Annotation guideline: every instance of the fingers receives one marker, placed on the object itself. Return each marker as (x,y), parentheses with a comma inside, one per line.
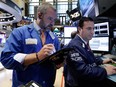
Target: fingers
(48,49)
(110,69)
(108,60)
(59,65)
(114,68)
(113,61)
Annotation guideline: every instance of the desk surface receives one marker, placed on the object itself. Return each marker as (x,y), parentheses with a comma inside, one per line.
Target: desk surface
(112,77)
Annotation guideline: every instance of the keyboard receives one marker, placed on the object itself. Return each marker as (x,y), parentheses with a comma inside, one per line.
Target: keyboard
(110,56)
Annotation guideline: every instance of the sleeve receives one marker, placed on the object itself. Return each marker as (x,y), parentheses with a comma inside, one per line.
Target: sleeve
(20,57)
(99,61)
(12,46)
(77,65)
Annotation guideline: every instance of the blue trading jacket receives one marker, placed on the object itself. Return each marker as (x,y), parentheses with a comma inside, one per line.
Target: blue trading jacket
(43,74)
(82,68)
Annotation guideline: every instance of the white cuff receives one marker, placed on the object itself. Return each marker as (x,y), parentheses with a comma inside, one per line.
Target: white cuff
(19,57)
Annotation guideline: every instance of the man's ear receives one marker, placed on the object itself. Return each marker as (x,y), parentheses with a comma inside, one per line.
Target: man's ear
(79,29)
(40,15)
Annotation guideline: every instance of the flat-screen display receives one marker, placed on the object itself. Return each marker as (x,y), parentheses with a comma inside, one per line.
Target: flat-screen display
(114,34)
(66,41)
(101,29)
(68,30)
(100,44)
(86,6)
(67,33)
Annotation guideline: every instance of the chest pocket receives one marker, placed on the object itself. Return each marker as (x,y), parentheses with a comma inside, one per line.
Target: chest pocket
(29,48)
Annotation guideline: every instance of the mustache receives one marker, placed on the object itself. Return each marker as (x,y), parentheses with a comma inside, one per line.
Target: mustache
(50,25)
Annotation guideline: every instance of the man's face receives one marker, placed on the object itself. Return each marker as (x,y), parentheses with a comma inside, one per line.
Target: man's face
(87,31)
(48,19)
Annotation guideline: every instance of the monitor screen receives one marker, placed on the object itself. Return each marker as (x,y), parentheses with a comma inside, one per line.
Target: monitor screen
(68,30)
(105,8)
(67,33)
(86,6)
(114,34)
(100,44)
(101,29)
(67,40)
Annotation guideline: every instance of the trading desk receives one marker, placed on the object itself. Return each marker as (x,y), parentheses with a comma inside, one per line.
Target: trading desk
(111,78)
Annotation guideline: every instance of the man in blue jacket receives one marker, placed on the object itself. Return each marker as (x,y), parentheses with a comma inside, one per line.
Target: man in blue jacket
(82,68)
(25,48)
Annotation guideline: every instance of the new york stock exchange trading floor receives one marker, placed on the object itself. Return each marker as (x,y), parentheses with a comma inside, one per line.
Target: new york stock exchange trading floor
(6,77)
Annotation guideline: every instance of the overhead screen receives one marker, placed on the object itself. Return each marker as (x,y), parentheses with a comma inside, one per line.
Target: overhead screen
(105,8)
(86,6)
(114,33)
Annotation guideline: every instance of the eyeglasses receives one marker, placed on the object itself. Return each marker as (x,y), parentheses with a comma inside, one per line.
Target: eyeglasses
(51,19)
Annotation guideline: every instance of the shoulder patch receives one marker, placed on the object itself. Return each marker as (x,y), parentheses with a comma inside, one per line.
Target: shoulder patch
(76,57)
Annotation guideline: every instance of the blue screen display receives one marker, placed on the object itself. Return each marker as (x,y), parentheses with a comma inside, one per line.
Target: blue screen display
(86,6)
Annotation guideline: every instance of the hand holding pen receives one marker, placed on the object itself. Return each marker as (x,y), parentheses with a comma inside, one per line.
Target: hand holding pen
(46,50)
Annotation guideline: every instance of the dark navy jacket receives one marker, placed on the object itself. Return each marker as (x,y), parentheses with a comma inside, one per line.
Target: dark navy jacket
(82,68)
(43,74)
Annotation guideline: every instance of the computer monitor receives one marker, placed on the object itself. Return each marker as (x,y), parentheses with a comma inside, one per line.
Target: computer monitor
(67,33)
(105,8)
(114,34)
(67,40)
(114,37)
(100,44)
(101,29)
(68,30)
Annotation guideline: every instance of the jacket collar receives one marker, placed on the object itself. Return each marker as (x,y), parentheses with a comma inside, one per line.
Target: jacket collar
(32,30)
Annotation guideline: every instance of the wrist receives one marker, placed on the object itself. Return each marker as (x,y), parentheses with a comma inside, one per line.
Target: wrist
(37,56)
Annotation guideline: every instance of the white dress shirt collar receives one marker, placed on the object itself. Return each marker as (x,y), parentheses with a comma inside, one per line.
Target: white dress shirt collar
(36,26)
(82,39)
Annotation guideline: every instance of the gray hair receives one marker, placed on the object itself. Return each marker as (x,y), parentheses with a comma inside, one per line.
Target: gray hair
(44,6)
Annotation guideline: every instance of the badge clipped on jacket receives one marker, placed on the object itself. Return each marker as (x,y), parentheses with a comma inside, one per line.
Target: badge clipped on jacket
(31,41)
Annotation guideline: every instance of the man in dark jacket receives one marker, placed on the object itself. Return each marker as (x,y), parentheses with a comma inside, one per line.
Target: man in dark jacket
(82,68)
